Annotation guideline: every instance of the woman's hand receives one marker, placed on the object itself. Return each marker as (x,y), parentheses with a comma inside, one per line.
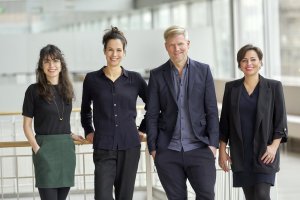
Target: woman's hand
(78,138)
(36,149)
(269,156)
(224,160)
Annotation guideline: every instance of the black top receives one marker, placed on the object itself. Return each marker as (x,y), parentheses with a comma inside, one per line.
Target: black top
(114,109)
(47,115)
(247,108)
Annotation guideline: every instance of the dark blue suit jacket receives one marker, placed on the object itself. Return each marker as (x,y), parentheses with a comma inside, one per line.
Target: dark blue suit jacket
(162,107)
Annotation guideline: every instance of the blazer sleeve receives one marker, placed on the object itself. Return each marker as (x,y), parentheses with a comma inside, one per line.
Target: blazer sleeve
(211,110)
(280,118)
(224,119)
(152,115)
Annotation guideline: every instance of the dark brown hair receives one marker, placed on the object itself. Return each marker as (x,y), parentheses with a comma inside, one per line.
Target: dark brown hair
(114,33)
(65,87)
(242,52)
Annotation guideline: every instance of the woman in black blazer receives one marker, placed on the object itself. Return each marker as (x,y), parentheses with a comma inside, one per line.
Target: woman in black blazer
(253,121)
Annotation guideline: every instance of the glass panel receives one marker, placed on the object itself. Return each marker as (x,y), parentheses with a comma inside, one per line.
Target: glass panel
(289,20)
(147,20)
(124,22)
(198,12)
(179,14)
(135,21)
(162,18)
(220,17)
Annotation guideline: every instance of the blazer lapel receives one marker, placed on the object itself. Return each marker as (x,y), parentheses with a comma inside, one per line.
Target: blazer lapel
(169,80)
(192,73)
(235,98)
(262,102)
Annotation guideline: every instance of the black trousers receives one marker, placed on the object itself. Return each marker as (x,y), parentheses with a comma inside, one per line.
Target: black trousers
(198,166)
(54,193)
(260,191)
(115,168)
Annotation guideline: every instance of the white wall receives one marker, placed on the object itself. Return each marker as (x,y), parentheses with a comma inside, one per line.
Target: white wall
(84,52)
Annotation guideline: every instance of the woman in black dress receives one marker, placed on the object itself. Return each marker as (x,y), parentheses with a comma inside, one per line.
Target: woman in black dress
(49,103)
(253,122)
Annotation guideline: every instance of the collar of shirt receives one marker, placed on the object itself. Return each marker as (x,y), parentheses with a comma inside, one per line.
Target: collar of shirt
(186,65)
(124,72)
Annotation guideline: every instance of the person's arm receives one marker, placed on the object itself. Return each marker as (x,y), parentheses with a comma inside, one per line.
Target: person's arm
(224,158)
(280,133)
(143,95)
(86,110)
(27,128)
(211,110)
(152,115)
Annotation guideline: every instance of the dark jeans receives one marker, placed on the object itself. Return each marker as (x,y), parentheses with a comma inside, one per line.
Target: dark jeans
(260,191)
(115,168)
(198,166)
(54,193)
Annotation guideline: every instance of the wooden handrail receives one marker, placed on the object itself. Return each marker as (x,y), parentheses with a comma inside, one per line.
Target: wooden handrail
(73,110)
(19,113)
(26,144)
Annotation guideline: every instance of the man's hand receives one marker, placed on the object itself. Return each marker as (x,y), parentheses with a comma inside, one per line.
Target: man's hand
(142,136)
(153,153)
(214,150)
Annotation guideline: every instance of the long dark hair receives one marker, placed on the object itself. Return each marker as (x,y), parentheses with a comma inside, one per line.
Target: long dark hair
(65,87)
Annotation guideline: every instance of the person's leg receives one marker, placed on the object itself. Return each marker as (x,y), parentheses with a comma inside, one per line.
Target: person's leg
(105,173)
(62,193)
(127,165)
(169,165)
(249,192)
(201,172)
(48,193)
(262,191)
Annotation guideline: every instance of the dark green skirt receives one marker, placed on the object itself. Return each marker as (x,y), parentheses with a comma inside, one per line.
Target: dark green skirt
(54,163)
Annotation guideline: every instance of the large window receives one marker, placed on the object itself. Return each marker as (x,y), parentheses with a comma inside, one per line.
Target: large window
(289,19)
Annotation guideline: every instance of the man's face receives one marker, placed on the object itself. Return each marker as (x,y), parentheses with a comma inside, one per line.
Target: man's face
(177,47)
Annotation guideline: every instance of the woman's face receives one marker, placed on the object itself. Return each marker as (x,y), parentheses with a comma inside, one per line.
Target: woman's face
(51,68)
(114,52)
(250,64)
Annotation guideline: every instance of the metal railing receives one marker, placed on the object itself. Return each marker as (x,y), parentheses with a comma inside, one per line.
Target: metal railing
(17,175)
(17,172)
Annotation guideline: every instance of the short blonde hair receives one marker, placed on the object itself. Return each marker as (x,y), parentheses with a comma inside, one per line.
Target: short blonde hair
(175,30)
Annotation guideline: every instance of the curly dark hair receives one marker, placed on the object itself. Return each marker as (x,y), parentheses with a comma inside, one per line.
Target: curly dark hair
(114,33)
(65,87)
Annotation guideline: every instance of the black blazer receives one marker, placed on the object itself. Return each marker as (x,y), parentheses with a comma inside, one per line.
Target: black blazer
(271,123)
(162,108)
